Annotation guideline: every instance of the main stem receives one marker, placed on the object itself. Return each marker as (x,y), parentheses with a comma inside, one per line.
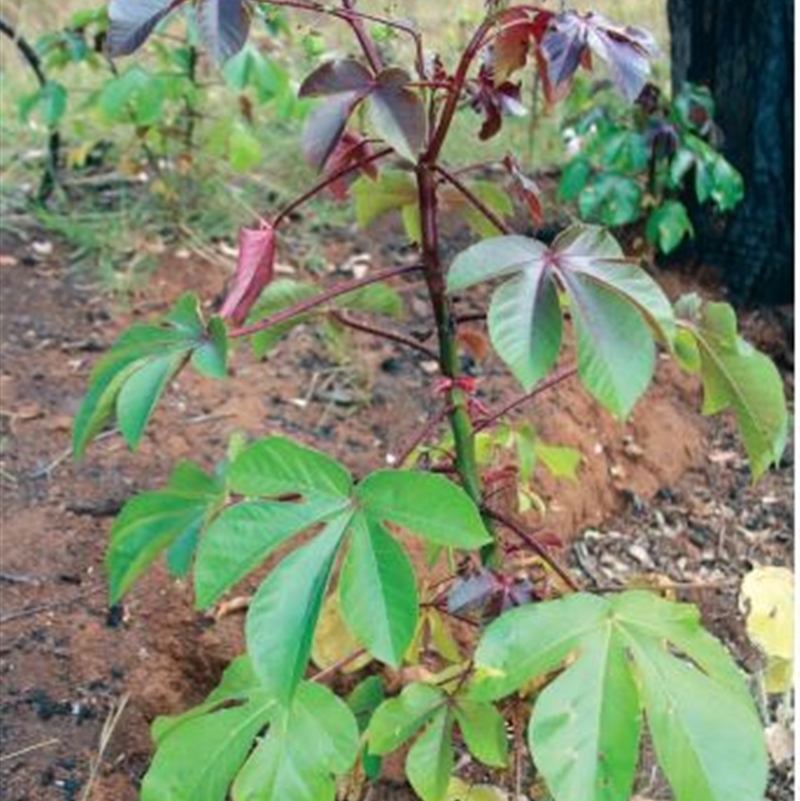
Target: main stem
(460,421)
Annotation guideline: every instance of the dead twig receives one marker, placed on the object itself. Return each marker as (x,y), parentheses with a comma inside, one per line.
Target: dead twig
(35,610)
(28,749)
(114,714)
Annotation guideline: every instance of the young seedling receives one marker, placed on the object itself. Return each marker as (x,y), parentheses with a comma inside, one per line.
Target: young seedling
(274,731)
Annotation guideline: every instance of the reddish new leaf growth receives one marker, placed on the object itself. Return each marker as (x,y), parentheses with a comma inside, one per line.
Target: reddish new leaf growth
(352,150)
(526,188)
(572,38)
(518,29)
(255,268)
(493,101)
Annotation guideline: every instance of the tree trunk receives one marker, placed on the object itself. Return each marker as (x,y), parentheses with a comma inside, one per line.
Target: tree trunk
(742,50)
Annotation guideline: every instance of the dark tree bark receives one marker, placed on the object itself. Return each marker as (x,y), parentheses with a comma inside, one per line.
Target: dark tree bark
(742,50)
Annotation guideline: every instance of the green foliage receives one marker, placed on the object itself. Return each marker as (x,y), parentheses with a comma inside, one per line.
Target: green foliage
(635,651)
(633,162)
(129,380)
(396,191)
(306,745)
(615,307)
(331,548)
(168,519)
(735,376)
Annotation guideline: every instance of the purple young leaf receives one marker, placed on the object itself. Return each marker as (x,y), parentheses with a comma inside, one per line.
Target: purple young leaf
(255,268)
(472,594)
(344,82)
(571,37)
(224,26)
(325,126)
(397,113)
(336,77)
(132,21)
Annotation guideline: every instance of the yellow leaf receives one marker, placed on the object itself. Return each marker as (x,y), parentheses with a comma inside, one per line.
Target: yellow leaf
(332,640)
(767,598)
(459,790)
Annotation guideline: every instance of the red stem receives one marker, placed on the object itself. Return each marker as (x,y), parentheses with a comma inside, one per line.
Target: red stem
(535,546)
(542,386)
(318,300)
(493,218)
(393,336)
(449,110)
(326,182)
(364,39)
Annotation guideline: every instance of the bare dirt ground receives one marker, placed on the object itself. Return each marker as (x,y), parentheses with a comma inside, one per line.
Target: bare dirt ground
(666,493)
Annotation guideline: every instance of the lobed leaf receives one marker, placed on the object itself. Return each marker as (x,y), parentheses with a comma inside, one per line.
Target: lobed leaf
(131,23)
(397,720)
(431,761)
(378,592)
(427,505)
(631,650)
(224,738)
(283,614)
(276,466)
(224,27)
(615,308)
(397,113)
(314,740)
(738,377)
(244,535)
(152,522)
(129,380)
(484,731)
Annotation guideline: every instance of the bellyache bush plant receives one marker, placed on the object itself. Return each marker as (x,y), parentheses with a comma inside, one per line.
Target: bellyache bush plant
(589,672)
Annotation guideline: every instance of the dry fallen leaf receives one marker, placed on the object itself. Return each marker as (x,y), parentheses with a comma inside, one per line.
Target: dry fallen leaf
(767,599)
(780,743)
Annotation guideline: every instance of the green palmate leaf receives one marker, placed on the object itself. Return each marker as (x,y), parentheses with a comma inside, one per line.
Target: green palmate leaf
(495,198)
(155,521)
(738,377)
(238,683)
(224,738)
(363,701)
(610,199)
(431,761)
(309,744)
(574,177)
(427,505)
(277,466)
(484,731)
(283,613)
(374,299)
(129,380)
(276,296)
(397,720)
(378,592)
(633,650)
(699,730)
(244,535)
(615,306)
(139,395)
(616,353)
(394,190)
(521,645)
(592,711)
(669,225)
(525,324)
(560,461)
